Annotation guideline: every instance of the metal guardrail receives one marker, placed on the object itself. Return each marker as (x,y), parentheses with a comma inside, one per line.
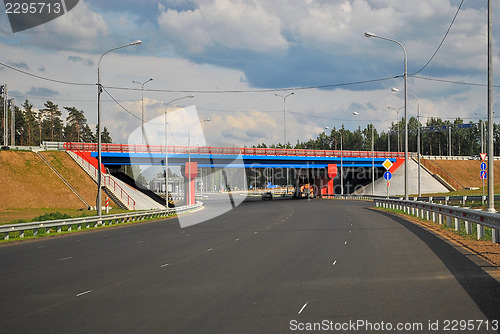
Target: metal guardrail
(453,214)
(51,226)
(429,199)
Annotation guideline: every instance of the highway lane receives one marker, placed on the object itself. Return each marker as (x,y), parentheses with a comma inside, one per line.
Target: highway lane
(262,267)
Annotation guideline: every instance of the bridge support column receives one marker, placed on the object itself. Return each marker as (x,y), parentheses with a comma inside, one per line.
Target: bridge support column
(325,184)
(190,172)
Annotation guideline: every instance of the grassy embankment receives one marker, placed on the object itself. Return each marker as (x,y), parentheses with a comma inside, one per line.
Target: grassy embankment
(31,189)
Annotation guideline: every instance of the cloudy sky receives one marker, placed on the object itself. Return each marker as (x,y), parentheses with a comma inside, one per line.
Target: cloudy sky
(236,55)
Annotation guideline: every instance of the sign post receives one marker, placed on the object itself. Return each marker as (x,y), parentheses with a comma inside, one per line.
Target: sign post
(388,176)
(483,174)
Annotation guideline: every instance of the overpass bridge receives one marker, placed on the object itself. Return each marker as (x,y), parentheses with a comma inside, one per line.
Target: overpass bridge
(318,167)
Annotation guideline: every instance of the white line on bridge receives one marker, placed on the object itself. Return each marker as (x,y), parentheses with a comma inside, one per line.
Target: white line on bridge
(334,262)
(65,258)
(164,265)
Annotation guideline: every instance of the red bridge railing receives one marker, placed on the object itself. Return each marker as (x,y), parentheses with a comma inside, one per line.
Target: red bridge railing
(124,148)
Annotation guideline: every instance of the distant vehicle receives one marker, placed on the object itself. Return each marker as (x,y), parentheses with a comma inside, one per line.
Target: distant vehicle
(267,196)
(305,191)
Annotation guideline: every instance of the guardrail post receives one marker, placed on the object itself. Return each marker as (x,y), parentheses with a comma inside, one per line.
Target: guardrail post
(495,238)
(468,227)
(448,221)
(433,216)
(21,234)
(457,224)
(446,200)
(440,218)
(464,198)
(479,228)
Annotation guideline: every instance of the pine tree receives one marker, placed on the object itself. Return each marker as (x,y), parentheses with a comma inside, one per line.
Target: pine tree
(30,123)
(76,123)
(52,114)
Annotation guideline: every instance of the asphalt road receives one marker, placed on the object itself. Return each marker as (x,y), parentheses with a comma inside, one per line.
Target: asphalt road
(264,267)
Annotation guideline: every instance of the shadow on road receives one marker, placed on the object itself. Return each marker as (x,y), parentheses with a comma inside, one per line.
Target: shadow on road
(481,287)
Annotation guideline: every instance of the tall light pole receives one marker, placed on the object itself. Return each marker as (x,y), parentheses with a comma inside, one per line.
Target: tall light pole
(284,131)
(397,123)
(99,91)
(373,152)
(418,136)
(491,184)
(368,34)
(166,145)
(142,102)
(341,159)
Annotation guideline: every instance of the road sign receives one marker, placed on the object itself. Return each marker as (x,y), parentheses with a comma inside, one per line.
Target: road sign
(387,164)
(483,156)
(387,175)
(483,174)
(483,165)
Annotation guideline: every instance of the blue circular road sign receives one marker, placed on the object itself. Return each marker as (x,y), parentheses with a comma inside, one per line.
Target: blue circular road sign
(387,175)
(483,165)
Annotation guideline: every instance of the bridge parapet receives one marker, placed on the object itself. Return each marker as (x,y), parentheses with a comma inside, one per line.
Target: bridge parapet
(124,148)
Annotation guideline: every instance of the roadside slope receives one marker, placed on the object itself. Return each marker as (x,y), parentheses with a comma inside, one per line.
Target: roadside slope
(30,188)
(28,182)
(73,174)
(466,171)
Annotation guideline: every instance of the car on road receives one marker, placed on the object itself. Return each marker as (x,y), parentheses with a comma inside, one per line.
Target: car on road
(267,196)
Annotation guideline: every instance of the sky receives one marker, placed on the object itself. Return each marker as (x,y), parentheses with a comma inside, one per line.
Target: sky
(236,56)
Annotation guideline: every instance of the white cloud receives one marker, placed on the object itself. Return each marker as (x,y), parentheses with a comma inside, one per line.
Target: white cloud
(79,29)
(233,24)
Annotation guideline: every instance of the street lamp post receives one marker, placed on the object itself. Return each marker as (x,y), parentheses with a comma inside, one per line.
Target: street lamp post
(284,131)
(341,160)
(142,103)
(491,184)
(99,91)
(368,34)
(373,153)
(397,123)
(418,136)
(166,145)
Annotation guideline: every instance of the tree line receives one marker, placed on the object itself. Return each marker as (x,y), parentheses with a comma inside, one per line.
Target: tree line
(435,136)
(32,127)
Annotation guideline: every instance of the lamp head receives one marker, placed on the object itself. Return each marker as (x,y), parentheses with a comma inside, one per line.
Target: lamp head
(369,34)
(138,42)
(395,90)
(355,113)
